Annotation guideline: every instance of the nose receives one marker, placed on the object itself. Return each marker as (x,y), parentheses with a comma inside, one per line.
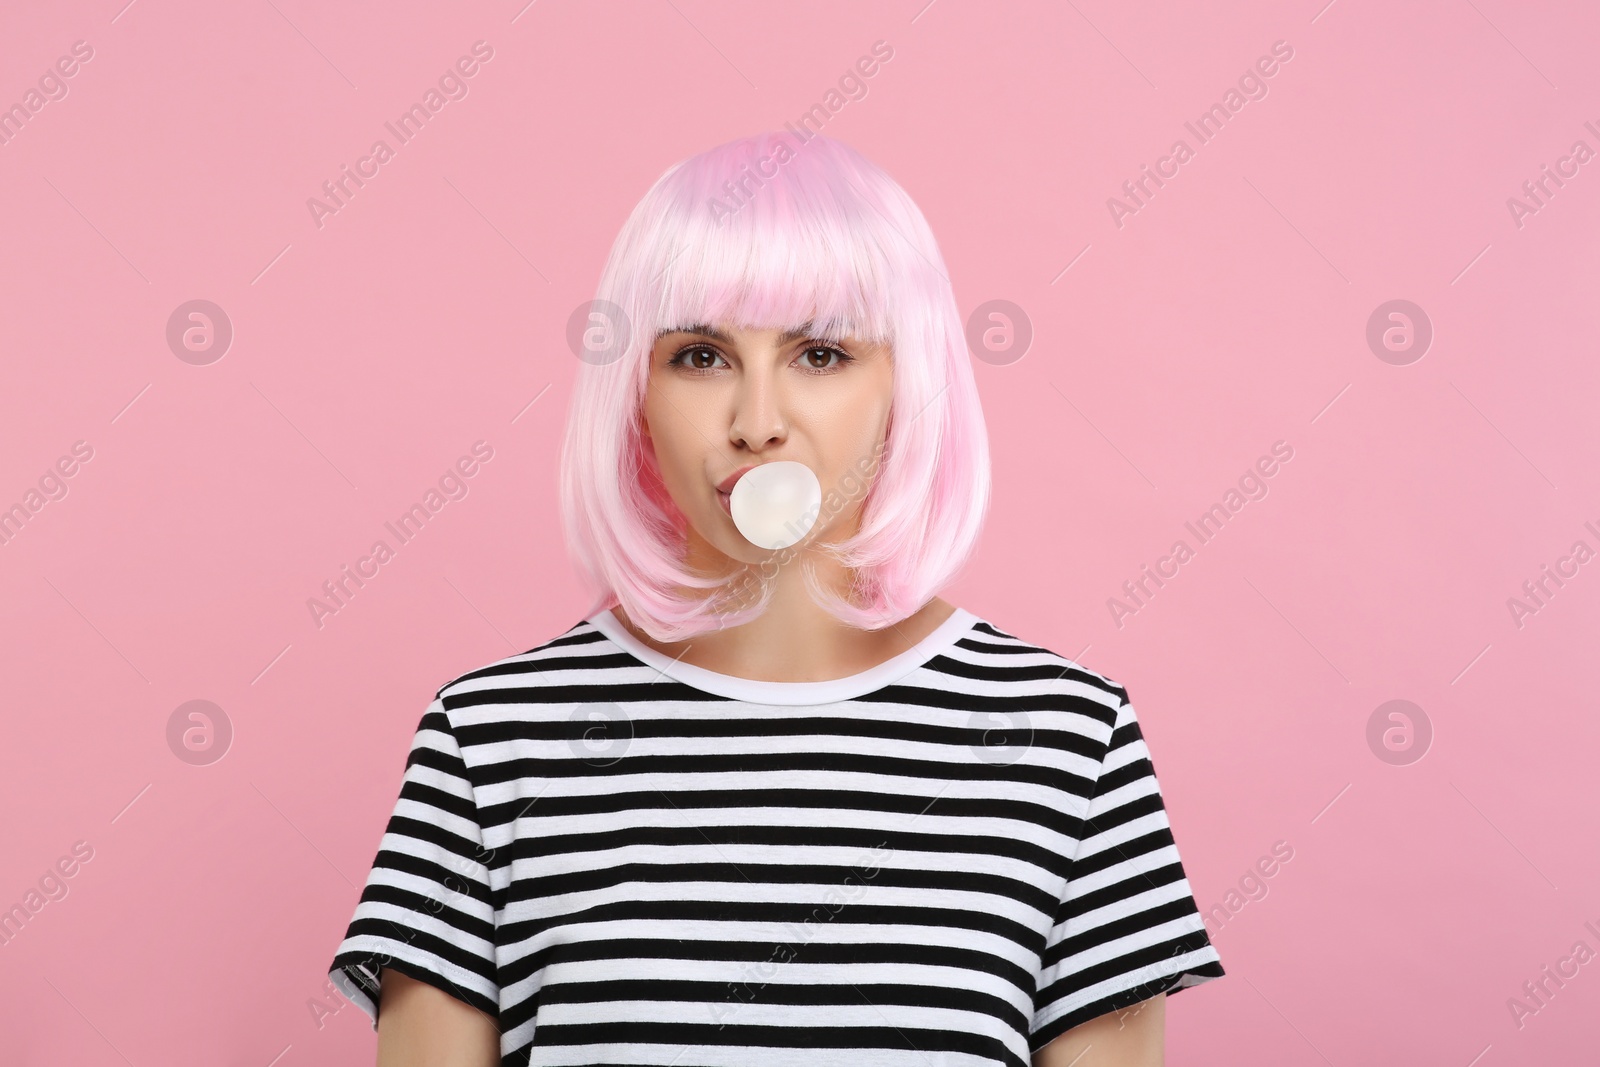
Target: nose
(758,420)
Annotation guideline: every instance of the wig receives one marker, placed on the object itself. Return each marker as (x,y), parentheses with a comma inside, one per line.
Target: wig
(770,231)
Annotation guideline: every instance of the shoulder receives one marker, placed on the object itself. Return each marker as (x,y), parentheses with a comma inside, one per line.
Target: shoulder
(1017,665)
(566,667)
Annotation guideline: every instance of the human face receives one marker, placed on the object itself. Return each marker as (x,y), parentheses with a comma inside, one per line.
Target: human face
(721,398)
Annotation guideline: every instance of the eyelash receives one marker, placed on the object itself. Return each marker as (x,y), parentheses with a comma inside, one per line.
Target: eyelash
(677,359)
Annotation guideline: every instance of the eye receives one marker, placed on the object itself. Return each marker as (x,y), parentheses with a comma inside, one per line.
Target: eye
(688,358)
(700,358)
(826,351)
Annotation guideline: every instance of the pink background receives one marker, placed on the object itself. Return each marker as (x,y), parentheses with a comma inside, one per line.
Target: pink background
(1227,314)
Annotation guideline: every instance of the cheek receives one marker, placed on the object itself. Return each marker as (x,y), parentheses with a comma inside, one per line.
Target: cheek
(868,417)
(677,443)
(851,445)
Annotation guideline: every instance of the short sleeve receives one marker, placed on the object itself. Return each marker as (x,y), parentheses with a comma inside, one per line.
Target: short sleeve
(426,909)
(1127,927)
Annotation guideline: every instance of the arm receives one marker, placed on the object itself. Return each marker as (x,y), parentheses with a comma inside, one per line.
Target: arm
(420,1025)
(1132,1037)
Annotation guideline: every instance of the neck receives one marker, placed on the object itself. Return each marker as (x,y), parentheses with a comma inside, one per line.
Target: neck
(795,640)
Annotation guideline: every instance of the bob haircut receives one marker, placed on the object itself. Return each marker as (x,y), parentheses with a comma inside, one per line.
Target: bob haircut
(769,231)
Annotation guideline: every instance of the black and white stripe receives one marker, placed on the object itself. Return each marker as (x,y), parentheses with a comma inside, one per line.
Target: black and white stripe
(950,859)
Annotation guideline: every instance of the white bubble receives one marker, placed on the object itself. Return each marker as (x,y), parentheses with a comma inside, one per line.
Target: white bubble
(775,504)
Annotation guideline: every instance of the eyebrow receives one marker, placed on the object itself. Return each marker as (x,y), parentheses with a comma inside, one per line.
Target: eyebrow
(805,329)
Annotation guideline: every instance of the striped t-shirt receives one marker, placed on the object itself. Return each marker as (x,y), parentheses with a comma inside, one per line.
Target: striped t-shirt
(950,858)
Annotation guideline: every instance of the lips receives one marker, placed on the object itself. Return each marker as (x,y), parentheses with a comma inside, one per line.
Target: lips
(726,485)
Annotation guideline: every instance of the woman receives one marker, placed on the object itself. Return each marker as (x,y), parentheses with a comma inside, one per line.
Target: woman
(775,806)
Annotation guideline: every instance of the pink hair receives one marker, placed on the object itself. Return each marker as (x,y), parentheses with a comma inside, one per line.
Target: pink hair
(770,232)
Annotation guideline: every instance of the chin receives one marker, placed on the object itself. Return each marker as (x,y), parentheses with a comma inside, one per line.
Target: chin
(722,537)
(733,545)
(718,536)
